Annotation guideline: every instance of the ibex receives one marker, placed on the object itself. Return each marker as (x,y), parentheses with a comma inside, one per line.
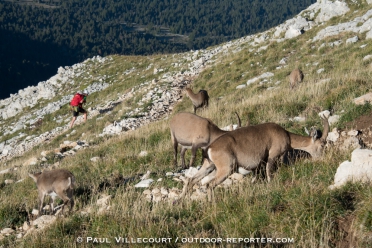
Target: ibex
(251,146)
(59,182)
(192,132)
(198,100)
(295,78)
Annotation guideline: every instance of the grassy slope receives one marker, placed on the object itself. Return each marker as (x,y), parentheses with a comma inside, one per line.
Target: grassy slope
(297,204)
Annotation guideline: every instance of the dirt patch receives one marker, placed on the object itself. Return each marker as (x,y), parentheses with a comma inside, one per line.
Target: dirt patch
(347,236)
(364,125)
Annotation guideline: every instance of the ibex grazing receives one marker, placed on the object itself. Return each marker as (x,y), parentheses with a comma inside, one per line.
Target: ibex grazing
(248,147)
(295,78)
(193,132)
(199,100)
(59,182)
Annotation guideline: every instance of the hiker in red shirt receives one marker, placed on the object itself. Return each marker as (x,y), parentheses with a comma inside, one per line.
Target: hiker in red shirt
(77,106)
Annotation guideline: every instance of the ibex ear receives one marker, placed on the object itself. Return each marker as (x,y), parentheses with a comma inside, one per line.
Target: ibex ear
(314,134)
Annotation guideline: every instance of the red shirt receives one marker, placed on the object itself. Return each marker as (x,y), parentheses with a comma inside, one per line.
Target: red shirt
(77,100)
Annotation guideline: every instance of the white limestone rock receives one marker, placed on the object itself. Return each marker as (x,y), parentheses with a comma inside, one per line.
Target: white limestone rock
(191,172)
(331,9)
(333,119)
(7,231)
(144,184)
(363,99)
(334,135)
(44,221)
(359,169)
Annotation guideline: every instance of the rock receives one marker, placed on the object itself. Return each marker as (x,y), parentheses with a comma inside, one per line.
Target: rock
(283,61)
(190,172)
(104,201)
(363,99)
(157,197)
(44,221)
(320,70)
(9,181)
(358,170)
(25,226)
(146,176)
(45,153)
(236,176)
(350,143)
(331,9)
(164,191)
(333,136)
(325,114)
(173,195)
(77,147)
(143,154)
(35,212)
(95,159)
(228,182)
(198,195)
(5,171)
(367,57)
(298,119)
(155,191)
(7,231)
(353,133)
(352,40)
(148,198)
(144,184)
(146,192)
(31,161)
(251,81)
(333,119)
(241,86)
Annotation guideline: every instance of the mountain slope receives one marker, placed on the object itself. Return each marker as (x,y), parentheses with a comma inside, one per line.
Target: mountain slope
(248,75)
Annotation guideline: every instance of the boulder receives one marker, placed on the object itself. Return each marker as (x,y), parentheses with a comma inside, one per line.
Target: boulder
(144,184)
(44,221)
(363,99)
(359,169)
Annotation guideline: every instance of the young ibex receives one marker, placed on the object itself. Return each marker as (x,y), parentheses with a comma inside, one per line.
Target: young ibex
(198,100)
(251,146)
(59,182)
(295,78)
(192,132)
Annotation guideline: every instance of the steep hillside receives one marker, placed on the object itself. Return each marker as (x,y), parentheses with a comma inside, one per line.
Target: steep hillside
(131,101)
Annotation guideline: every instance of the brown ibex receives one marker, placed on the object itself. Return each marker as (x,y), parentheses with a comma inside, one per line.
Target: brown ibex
(192,132)
(198,100)
(249,147)
(58,182)
(295,78)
